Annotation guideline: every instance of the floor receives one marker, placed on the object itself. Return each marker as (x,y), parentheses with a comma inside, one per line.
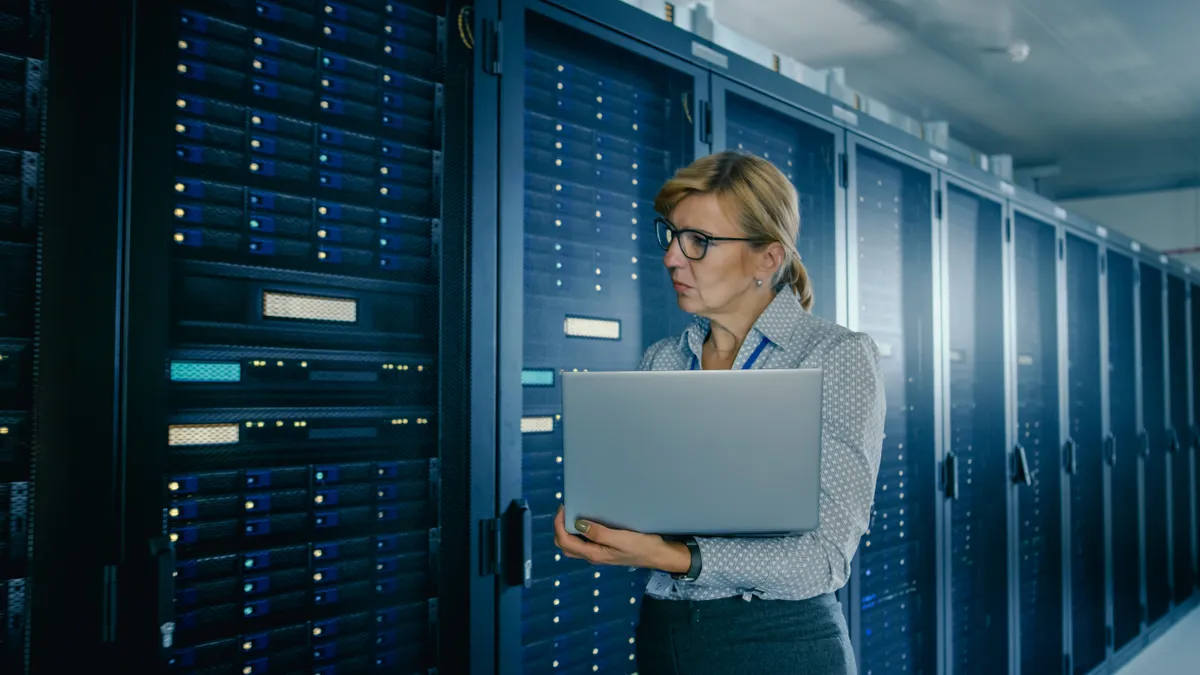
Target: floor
(1178,651)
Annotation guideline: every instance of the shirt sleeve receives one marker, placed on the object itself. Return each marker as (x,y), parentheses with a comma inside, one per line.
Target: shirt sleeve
(818,562)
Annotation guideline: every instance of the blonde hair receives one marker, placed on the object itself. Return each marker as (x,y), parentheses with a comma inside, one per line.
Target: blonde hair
(761,200)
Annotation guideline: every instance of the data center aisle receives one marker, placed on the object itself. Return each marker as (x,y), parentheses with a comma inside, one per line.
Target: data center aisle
(1175,652)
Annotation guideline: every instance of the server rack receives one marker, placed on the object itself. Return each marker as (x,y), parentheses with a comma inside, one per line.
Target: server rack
(1124,461)
(22,54)
(290,302)
(1037,478)
(1155,442)
(810,152)
(975,429)
(1194,335)
(1180,441)
(1083,458)
(894,594)
(591,126)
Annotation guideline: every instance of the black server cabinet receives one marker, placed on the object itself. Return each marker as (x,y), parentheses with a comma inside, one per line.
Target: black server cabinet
(22,54)
(809,152)
(1038,457)
(596,125)
(1121,450)
(292,338)
(302,455)
(1195,429)
(1179,439)
(1083,456)
(976,473)
(1155,443)
(894,593)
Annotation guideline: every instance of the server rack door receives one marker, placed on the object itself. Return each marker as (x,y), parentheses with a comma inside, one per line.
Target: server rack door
(894,595)
(1155,444)
(1121,450)
(295,473)
(1084,461)
(976,619)
(1195,429)
(1179,439)
(809,152)
(1038,427)
(22,50)
(605,122)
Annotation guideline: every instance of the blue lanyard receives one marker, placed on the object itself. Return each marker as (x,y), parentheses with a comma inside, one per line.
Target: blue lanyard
(745,366)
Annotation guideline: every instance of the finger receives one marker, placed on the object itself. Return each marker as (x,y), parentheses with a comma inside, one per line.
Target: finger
(595,532)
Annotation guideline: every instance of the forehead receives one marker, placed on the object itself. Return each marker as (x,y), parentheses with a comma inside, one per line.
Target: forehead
(705,213)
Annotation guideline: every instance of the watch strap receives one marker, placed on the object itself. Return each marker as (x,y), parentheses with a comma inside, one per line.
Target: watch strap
(693,572)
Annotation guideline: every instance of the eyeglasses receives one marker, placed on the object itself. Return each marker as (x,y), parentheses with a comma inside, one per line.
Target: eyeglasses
(693,243)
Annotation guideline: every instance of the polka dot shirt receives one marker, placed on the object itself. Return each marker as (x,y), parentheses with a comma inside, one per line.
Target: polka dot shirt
(817,562)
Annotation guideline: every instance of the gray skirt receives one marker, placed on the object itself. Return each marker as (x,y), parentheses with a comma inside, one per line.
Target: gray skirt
(733,636)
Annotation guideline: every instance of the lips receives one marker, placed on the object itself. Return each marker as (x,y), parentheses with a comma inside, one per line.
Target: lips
(681,287)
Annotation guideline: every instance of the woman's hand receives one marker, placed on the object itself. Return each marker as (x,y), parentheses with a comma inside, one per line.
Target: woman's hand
(600,545)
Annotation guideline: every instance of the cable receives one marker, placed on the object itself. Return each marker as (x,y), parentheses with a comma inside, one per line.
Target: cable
(464,27)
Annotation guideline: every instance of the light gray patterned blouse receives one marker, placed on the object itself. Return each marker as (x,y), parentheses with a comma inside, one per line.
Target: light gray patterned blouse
(818,562)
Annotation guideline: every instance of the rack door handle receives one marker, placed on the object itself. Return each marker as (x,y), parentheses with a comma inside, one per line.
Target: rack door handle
(1021,473)
(1110,447)
(1072,456)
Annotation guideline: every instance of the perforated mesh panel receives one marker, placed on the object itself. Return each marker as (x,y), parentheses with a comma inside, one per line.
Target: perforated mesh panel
(22,48)
(1122,377)
(979,604)
(304,486)
(898,554)
(603,131)
(1181,435)
(1154,411)
(1086,429)
(1038,423)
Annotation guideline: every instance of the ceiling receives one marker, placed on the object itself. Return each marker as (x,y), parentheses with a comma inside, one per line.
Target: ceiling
(1110,93)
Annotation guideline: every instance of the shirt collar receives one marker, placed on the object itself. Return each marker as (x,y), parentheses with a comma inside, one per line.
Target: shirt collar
(776,323)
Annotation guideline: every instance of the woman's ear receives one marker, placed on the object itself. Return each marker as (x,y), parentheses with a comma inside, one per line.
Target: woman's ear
(770,259)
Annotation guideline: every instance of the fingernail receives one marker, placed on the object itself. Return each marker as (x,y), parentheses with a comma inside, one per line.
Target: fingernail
(582,525)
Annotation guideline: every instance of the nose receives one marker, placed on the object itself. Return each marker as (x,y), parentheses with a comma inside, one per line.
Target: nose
(673,257)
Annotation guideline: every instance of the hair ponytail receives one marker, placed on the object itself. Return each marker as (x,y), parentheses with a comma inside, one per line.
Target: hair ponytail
(794,275)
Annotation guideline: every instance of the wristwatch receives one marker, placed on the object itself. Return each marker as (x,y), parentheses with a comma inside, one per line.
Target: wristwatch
(693,572)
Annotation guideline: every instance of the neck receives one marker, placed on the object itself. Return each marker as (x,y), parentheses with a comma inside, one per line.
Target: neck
(728,329)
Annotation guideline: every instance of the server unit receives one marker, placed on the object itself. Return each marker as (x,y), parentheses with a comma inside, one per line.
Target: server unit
(895,598)
(975,430)
(22,53)
(1183,563)
(1121,449)
(1038,475)
(1194,334)
(1156,442)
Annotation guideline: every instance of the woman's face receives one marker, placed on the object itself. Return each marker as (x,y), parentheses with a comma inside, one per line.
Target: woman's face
(716,283)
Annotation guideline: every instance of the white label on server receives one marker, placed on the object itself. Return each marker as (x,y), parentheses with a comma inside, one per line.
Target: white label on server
(309,307)
(203,434)
(1060,213)
(1007,188)
(537,425)
(1135,246)
(1102,231)
(939,156)
(600,329)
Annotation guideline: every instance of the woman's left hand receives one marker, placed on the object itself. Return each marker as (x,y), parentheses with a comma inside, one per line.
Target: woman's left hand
(601,545)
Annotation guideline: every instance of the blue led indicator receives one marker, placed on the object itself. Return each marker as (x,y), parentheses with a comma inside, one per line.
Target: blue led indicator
(537,378)
(194,371)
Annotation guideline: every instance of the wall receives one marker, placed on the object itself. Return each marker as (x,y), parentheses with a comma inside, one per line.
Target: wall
(1163,220)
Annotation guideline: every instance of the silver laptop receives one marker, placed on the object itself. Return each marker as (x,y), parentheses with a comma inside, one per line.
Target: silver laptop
(714,453)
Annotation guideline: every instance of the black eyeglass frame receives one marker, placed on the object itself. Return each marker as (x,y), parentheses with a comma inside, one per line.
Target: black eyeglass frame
(706,238)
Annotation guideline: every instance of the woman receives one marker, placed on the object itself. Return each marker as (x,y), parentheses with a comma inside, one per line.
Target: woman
(742,605)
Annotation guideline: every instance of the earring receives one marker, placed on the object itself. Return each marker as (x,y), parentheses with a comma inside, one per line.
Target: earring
(758,282)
